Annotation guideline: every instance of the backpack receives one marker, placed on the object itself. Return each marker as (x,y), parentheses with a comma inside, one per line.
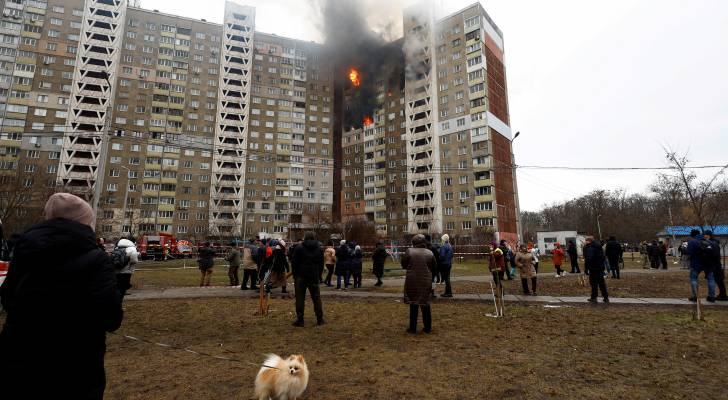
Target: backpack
(119,258)
(707,252)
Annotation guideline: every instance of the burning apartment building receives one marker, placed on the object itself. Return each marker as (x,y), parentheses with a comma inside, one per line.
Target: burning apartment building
(221,130)
(429,148)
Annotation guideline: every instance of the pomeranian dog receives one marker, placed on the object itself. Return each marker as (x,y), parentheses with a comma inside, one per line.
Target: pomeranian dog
(281,379)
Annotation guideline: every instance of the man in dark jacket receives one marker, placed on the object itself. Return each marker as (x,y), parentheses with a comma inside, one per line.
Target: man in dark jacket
(573,257)
(306,263)
(594,267)
(613,252)
(205,262)
(662,254)
(701,255)
(653,252)
(379,257)
(718,272)
(234,258)
(61,298)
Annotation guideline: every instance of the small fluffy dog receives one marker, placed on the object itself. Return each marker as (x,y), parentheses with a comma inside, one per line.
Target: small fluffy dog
(286,380)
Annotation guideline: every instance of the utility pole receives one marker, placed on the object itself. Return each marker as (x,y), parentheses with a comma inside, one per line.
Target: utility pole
(126,198)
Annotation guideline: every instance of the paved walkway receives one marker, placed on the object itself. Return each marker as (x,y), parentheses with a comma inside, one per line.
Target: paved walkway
(227,291)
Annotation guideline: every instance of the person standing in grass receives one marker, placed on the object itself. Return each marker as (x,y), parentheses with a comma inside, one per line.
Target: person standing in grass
(379,257)
(307,260)
(234,258)
(524,262)
(662,254)
(506,257)
(330,261)
(342,265)
(558,258)
(701,252)
(613,251)
(279,267)
(250,266)
(534,251)
(206,262)
(419,262)
(573,257)
(718,272)
(61,298)
(356,265)
(445,266)
(496,265)
(594,267)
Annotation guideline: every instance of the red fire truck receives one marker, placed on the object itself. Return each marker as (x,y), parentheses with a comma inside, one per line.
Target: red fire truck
(163,246)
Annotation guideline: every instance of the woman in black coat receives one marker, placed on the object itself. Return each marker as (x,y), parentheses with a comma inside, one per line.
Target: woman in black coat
(356,266)
(280,268)
(379,257)
(61,298)
(343,265)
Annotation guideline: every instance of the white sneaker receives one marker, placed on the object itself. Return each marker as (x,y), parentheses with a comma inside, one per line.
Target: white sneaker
(557,276)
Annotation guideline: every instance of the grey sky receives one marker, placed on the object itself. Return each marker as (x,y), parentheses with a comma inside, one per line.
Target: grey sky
(591,83)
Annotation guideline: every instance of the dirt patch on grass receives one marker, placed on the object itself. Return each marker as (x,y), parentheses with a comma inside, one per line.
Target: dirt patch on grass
(595,352)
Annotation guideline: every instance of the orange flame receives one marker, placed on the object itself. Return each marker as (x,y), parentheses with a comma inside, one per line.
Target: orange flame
(368,120)
(354,77)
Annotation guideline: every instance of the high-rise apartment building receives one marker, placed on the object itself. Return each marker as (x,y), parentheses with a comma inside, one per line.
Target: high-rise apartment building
(220,130)
(437,155)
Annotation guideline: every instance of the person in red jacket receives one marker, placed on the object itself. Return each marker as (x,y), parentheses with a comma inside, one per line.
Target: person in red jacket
(558,258)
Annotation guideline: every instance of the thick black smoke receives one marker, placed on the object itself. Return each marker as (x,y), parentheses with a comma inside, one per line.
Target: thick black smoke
(352,43)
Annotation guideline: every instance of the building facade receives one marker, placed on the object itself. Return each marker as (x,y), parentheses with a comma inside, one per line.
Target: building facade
(200,129)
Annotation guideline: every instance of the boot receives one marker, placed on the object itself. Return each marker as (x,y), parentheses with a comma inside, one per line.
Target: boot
(298,323)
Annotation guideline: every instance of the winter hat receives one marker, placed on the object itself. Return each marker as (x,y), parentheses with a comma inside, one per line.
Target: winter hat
(343,242)
(445,238)
(282,243)
(68,206)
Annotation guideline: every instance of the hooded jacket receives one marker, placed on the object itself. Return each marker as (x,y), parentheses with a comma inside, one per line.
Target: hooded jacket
(356,260)
(132,253)
(61,298)
(307,260)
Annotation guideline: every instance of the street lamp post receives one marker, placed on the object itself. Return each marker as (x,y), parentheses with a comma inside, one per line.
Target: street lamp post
(519,230)
(126,199)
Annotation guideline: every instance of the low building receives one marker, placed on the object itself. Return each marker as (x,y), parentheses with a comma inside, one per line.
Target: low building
(546,241)
(681,233)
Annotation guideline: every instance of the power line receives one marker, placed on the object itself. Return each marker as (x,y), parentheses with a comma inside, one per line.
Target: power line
(191,143)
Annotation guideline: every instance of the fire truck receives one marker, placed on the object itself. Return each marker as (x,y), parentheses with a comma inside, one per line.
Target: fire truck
(163,246)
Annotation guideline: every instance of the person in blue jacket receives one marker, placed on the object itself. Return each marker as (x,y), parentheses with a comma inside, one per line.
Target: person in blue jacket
(445,266)
(700,251)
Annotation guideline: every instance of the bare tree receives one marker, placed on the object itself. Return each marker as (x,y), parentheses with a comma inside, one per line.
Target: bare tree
(318,221)
(22,199)
(697,192)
